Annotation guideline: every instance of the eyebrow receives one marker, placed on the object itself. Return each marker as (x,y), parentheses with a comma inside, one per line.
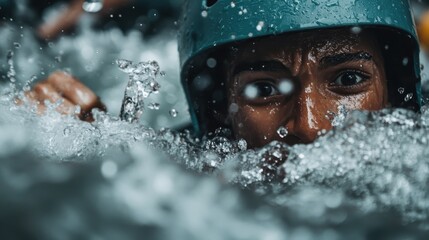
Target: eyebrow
(345,57)
(271,66)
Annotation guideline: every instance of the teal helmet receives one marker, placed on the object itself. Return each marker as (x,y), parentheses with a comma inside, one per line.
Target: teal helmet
(210,28)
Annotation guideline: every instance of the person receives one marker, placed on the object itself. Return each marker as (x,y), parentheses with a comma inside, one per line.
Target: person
(257,67)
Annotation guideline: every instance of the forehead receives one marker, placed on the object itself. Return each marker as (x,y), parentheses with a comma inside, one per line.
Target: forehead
(319,42)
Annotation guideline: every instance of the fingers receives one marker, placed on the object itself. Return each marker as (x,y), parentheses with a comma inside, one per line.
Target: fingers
(63,87)
(73,90)
(44,91)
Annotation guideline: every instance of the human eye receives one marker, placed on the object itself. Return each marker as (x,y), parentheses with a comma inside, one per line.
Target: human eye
(349,79)
(260,89)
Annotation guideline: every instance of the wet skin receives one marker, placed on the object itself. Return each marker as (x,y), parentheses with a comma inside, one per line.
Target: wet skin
(325,69)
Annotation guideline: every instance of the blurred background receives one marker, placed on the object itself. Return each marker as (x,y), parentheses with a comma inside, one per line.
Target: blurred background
(85,38)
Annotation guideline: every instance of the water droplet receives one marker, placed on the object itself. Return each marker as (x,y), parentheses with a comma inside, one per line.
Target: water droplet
(250,92)
(286,87)
(109,169)
(233,4)
(92,6)
(332,3)
(9,55)
(173,112)
(16,45)
(233,108)
(67,131)
(124,65)
(211,63)
(401,90)
(154,106)
(204,14)
(356,30)
(58,59)
(282,132)
(260,25)
(408,97)
(27,85)
(142,82)
(405,61)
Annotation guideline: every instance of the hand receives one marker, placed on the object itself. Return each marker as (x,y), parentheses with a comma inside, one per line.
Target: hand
(62,86)
(71,15)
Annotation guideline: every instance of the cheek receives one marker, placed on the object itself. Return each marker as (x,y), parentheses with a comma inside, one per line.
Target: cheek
(370,100)
(256,125)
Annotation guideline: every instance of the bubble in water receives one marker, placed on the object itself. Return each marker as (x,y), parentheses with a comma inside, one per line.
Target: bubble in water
(405,61)
(204,14)
(92,6)
(154,106)
(16,45)
(260,26)
(282,132)
(233,4)
(401,90)
(173,112)
(408,97)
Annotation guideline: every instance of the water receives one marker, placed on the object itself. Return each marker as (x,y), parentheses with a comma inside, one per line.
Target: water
(282,132)
(141,84)
(92,6)
(62,178)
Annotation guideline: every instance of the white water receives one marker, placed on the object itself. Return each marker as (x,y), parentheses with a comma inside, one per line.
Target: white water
(66,179)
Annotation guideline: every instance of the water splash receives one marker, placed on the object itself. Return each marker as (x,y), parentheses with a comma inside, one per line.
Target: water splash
(142,82)
(11,71)
(348,184)
(337,118)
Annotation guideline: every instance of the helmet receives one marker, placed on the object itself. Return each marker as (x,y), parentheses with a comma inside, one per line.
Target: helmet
(210,27)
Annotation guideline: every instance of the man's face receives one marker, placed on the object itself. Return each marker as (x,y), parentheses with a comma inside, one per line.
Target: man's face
(298,80)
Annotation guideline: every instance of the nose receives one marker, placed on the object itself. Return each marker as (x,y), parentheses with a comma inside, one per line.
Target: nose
(308,117)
